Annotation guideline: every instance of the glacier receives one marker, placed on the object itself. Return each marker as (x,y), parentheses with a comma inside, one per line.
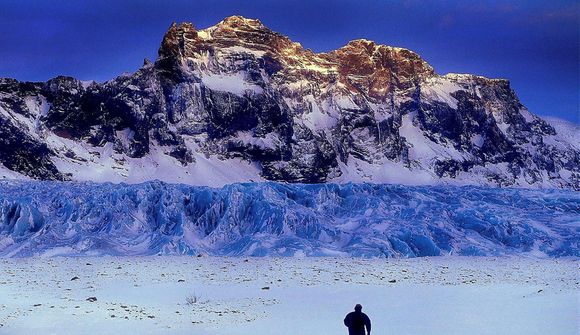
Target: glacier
(50,218)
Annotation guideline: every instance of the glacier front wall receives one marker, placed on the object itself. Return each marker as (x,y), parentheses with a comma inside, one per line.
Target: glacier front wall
(273,219)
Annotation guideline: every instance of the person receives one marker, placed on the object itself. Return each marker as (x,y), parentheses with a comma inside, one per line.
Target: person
(357,321)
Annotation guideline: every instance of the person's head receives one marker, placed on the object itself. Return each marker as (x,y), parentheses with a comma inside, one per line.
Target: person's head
(358,307)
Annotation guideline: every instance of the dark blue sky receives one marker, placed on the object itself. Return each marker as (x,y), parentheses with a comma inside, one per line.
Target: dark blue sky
(535,44)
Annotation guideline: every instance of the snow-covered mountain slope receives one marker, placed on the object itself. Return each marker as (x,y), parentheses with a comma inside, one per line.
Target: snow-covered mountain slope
(259,219)
(239,102)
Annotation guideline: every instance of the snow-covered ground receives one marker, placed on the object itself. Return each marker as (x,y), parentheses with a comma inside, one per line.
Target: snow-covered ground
(148,295)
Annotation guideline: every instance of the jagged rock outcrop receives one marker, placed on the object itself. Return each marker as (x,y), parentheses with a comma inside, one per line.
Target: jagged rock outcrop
(239,102)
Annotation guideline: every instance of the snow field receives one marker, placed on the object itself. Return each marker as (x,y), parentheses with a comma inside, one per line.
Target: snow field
(284,296)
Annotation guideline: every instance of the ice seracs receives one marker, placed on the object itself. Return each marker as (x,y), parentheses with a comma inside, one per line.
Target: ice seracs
(274,219)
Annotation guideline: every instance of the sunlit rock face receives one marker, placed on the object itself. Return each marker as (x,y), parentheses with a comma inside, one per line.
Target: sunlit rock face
(240,102)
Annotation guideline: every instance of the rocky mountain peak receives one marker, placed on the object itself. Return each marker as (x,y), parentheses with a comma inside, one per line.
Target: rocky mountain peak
(242,32)
(176,38)
(379,69)
(362,43)
(240,22)
(238,102)
(184,41)
(386,56)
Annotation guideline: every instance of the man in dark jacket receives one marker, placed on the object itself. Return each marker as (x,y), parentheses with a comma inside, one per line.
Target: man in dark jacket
(357,321)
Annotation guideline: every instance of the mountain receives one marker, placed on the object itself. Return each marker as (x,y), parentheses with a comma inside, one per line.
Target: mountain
(275,219)
(239,102)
